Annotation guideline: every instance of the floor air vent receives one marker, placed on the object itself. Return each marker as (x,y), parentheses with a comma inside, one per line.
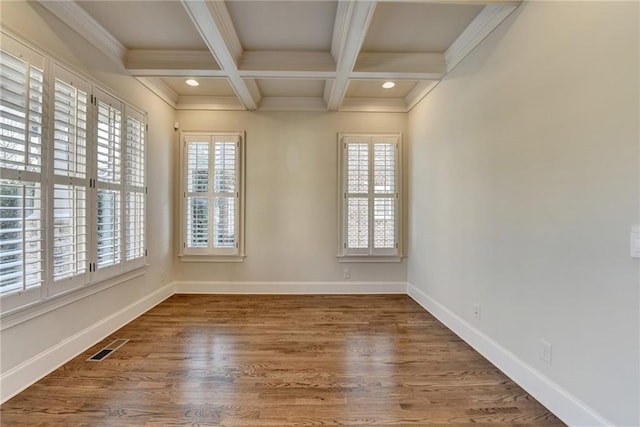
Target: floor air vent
(102,354)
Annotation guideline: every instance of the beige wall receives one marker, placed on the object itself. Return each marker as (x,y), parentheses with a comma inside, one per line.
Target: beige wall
(39,28)
(524,171)
(291,196)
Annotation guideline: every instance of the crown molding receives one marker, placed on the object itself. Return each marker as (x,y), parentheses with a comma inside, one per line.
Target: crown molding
(217,103)
(487,20)
(419,91)
(377,105)
(81,22)
(162,90)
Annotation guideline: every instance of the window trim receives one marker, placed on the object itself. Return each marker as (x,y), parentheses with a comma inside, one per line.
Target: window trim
(209,254)
(370,255)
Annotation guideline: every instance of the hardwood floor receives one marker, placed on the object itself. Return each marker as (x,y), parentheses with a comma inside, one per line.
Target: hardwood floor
(279,361)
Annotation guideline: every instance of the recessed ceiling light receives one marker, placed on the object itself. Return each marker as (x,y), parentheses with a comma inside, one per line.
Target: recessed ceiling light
(388,85)
(192,82)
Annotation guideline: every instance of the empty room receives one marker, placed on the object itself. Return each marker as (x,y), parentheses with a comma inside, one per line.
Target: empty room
(319,212)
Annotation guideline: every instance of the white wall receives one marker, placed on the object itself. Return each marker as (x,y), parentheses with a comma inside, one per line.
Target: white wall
(26,340)
(291,196)
(524,171)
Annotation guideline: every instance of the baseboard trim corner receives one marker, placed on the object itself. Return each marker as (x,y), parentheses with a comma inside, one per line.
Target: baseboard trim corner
(291,288)
(559,401)
(32,370)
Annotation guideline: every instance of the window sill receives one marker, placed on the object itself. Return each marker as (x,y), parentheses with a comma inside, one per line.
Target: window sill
(212,258)
(39,308)
(370,258)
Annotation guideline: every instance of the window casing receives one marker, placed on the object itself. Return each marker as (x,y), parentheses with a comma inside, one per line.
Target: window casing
(212,211)
(72,180)
(370,202)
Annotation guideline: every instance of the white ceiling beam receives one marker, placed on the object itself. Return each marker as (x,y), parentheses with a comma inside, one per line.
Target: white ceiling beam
(296,103)
(154,62)
(213,22)
(487,20)
(396,75)
(380,62)
(81,22)
(289,64)
(353,19)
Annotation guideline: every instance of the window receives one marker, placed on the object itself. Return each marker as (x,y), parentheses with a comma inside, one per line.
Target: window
(77,215)
(212,188)
(370,178)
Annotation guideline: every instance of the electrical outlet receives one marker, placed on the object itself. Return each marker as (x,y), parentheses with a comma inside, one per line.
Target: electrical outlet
(346,273)
(545,351)
(476,310)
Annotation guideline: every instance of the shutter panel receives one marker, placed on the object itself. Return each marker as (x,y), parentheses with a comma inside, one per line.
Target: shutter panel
(21,197)
(135,215)
(357,195)
(109,212)
(224,187)
(384,189)
(70,225)
(197,207)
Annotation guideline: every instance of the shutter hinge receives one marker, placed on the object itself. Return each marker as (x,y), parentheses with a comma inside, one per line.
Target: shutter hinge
(237,246)
(146,127)
(237,194)
(396,195)
(345,245)
(345,195)
(146,190)
(146,252)
(90,268)
(91,98)
(184,245)
(396,245)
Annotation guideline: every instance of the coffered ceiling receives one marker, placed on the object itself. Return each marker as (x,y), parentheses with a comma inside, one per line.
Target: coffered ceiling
(286,55)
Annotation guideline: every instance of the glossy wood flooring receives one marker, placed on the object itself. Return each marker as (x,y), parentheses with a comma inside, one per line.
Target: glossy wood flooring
(279,361)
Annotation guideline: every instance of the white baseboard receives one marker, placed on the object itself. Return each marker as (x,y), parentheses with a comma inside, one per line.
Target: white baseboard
(564,405)
(346,287)
(28,372)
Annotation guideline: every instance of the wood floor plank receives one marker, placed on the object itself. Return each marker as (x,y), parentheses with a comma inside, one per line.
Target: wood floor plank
(225,360)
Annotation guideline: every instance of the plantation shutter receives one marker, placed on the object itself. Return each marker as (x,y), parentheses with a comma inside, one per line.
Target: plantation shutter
(135,197)
(108,185)
(70,222)
(211,208)
(370,207)
(21,198)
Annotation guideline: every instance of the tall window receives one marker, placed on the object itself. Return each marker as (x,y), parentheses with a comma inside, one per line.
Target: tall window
(212,196)
(72,180)
(370,196)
